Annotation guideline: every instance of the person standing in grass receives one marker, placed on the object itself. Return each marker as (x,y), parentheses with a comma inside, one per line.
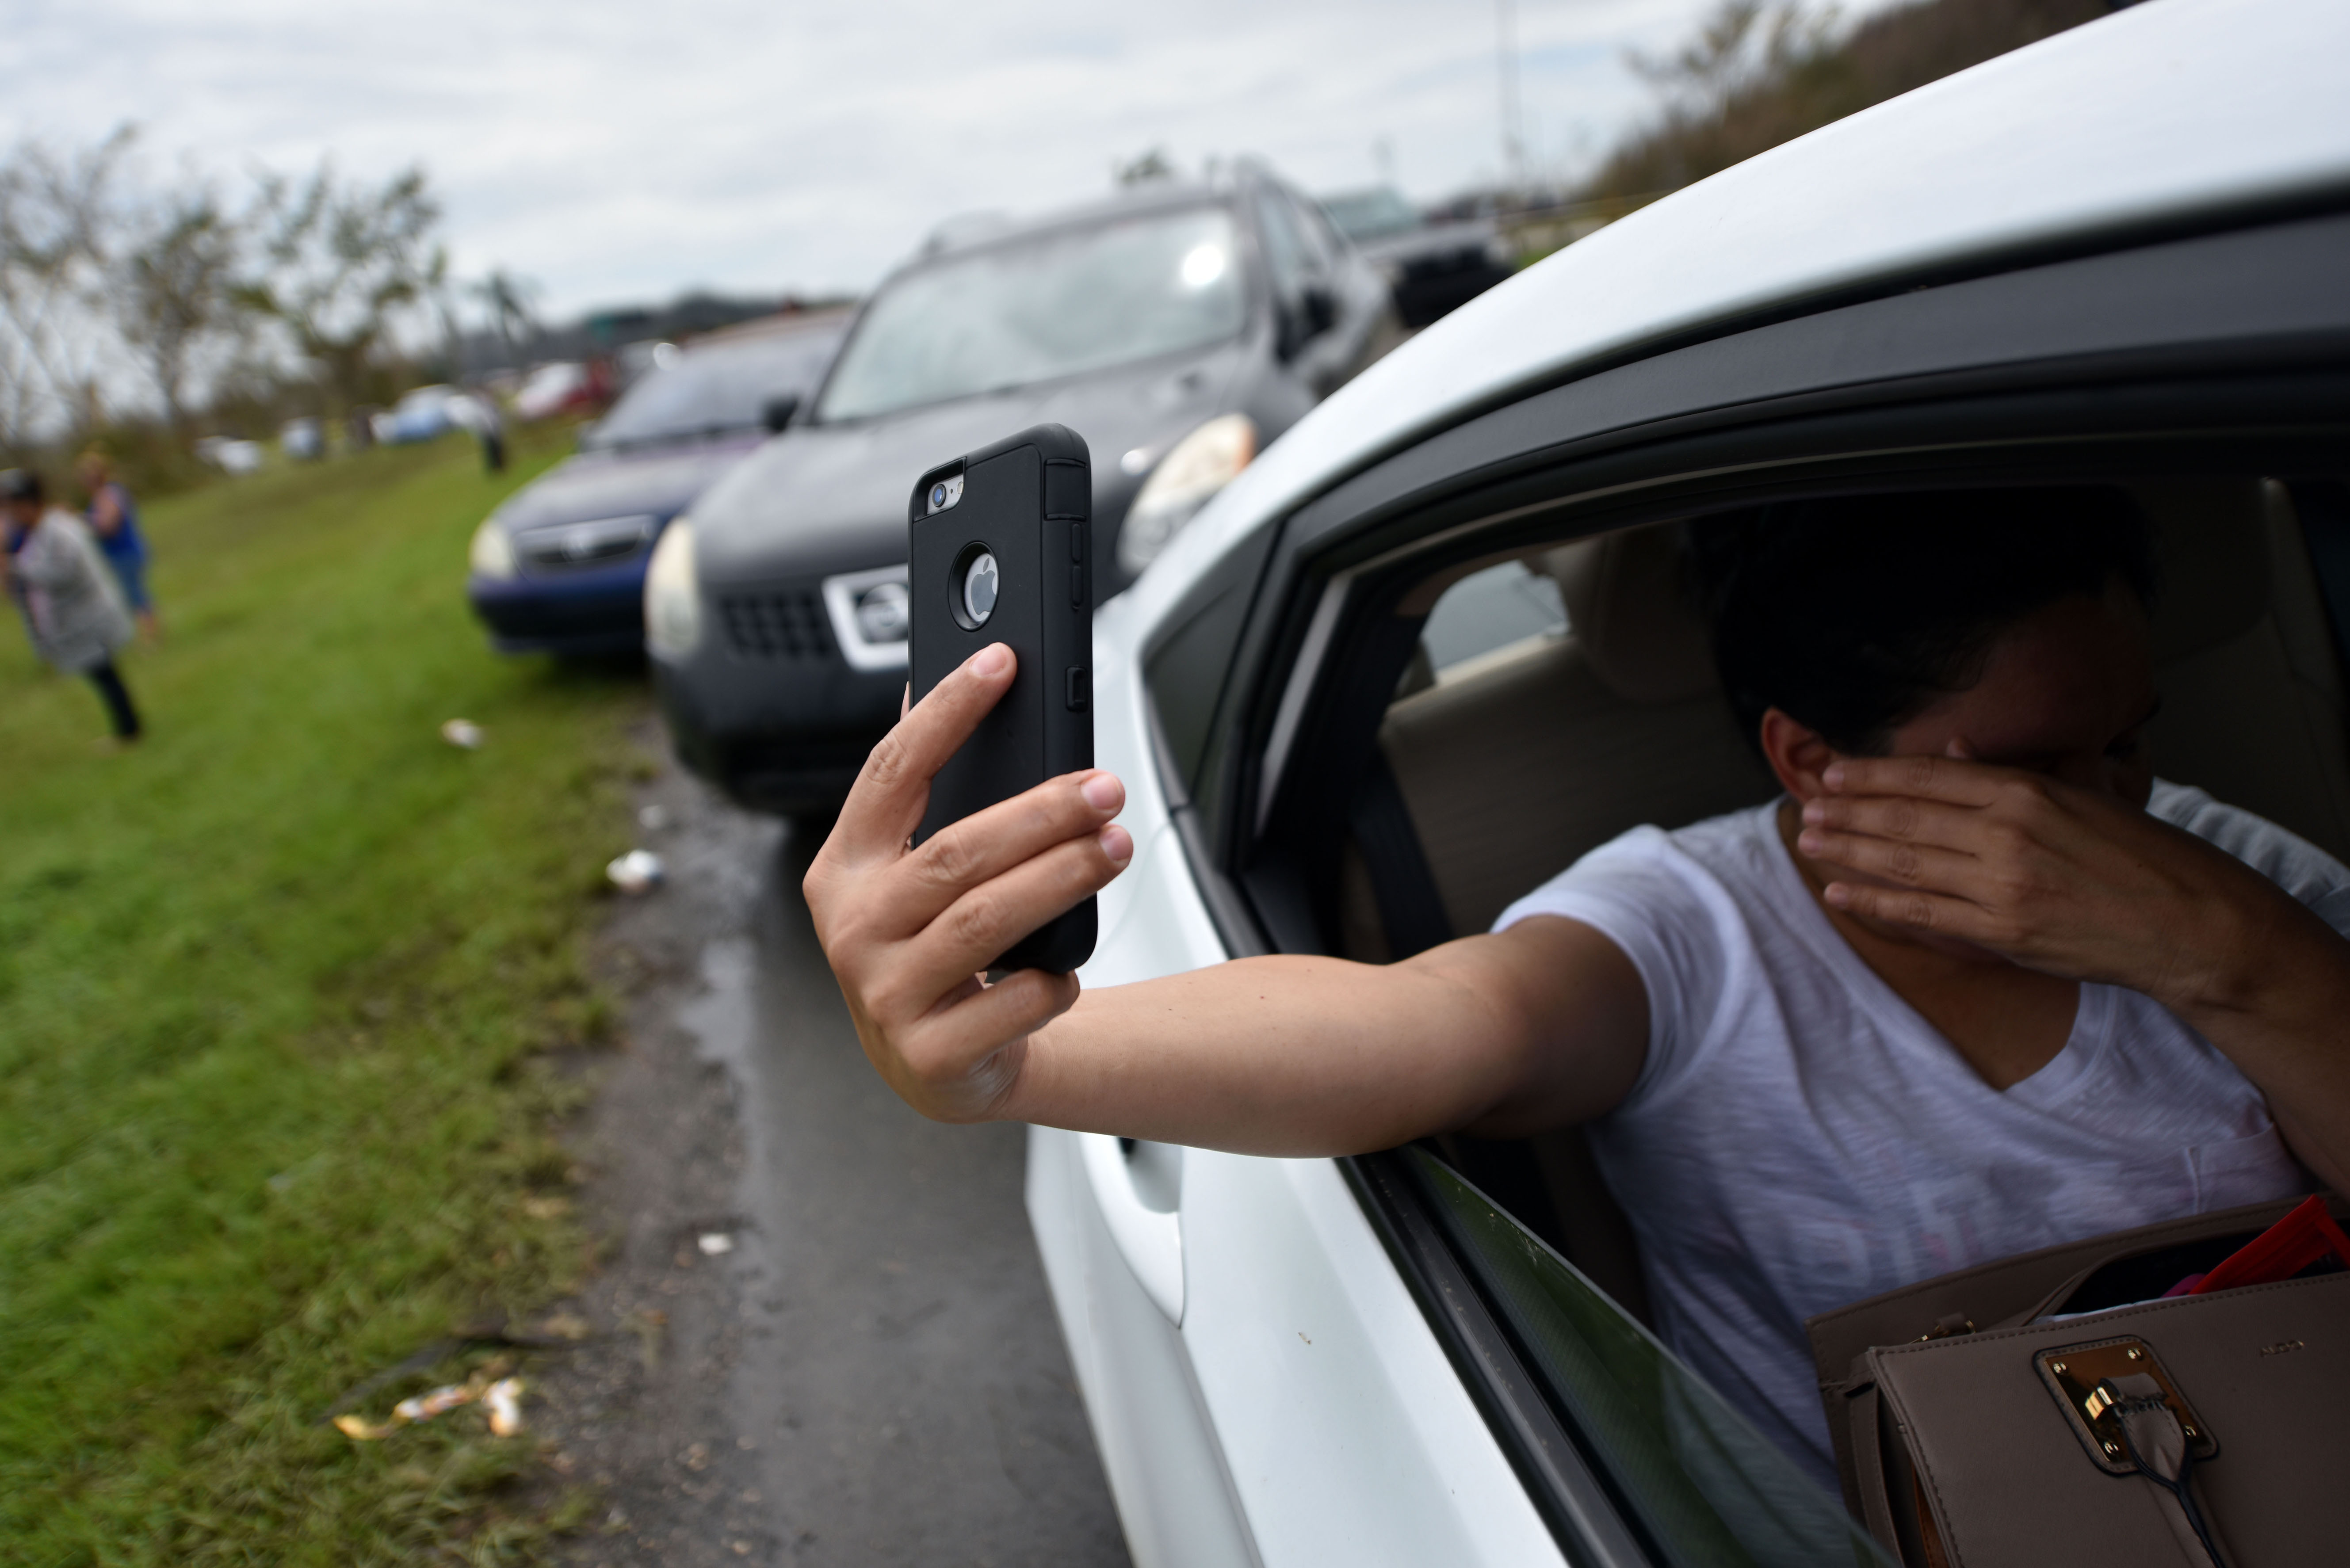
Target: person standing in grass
(72,603)
(114,519)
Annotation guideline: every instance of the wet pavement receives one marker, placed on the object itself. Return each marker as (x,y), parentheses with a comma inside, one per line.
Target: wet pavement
(822,1332)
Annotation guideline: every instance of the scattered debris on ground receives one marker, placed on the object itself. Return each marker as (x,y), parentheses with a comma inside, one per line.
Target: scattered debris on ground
(493,1385)
(638,871)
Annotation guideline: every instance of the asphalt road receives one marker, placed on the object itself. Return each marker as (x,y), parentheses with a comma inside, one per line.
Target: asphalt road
(867,1369)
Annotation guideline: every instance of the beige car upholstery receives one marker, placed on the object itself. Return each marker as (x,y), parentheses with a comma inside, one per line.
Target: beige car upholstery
(1516,769)
(2253,703)
(1519,763)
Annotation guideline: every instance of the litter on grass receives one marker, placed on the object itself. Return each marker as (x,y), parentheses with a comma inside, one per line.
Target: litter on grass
(715,1243)
(504,1403)
(500,1396)
(465,733)
(638,871)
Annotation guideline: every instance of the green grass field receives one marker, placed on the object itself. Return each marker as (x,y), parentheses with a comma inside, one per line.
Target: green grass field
(277,991)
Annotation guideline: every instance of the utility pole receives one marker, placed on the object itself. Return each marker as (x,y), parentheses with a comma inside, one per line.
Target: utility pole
(1514,146)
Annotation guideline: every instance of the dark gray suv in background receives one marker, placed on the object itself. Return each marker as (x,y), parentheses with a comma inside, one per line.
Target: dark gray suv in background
(1178,327)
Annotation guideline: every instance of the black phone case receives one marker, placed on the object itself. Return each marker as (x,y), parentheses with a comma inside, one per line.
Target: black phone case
(1028,501)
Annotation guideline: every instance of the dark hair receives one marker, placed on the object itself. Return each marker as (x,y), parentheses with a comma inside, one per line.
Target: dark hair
(1852,615)
(20,485)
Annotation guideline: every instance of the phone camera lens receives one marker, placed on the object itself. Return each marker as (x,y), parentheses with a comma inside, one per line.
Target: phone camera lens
(979,583)
(938,496)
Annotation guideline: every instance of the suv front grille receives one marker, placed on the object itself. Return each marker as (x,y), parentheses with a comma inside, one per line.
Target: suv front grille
(572,545)
(786,625)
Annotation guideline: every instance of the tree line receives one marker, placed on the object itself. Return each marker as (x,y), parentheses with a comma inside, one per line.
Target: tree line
(1760,72)
(126,302)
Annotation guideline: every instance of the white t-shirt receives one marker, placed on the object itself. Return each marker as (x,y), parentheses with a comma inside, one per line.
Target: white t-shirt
(1799,1138)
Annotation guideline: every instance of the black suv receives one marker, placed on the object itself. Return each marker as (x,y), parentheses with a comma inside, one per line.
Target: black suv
(1178,327)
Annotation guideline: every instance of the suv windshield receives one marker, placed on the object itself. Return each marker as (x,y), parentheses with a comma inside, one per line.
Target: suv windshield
(1031,310)
(1371,215)
(721,387)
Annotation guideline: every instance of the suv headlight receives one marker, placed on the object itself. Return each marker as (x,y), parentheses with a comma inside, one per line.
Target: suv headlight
(491,553)
(1196,467)
(673,596)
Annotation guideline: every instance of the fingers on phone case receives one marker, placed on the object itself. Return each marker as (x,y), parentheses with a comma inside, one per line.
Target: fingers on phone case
(1002,551)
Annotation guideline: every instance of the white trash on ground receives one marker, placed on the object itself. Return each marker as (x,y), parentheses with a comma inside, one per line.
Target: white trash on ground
(638,871)
(502,1396)
(463,733)
(504,1403)
(716,1243)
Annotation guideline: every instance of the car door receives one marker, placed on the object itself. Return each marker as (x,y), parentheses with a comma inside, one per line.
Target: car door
(1263,1385)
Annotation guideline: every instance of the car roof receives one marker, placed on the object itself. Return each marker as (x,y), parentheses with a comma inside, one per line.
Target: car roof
(982,230)
(2151,116)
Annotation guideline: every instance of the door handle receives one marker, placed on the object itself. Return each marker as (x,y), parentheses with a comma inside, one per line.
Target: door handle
(1138,1189)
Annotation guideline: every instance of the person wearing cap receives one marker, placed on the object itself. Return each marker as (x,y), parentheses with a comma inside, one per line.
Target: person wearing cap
(114,520)
(73,604)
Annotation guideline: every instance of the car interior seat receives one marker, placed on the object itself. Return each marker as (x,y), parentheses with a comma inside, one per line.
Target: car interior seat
(1513,765)
(2253,696)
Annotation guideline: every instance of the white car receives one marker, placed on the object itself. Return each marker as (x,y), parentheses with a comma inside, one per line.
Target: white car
(1431,647)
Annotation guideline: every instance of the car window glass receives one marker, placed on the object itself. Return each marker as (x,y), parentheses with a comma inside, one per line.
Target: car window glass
(1371,215)
(1501,608)
(723,387)
(1058,305)
(1692,1475)
(1311,234)
(1284,247)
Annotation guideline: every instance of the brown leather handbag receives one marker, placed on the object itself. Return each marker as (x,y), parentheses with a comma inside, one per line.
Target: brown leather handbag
(2009,1414)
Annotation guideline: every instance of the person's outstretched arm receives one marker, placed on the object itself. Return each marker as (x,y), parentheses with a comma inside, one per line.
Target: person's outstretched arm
(1542,1025)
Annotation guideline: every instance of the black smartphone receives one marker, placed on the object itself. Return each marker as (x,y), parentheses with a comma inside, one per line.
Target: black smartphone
(1002,551)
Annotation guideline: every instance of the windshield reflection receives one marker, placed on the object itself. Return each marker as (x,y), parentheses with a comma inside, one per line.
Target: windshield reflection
(1032,310)
(714,389)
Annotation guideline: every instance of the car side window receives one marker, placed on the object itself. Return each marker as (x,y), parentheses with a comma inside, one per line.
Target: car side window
(1690,1474)
(1285,255)
(1499,611)
(1312,239)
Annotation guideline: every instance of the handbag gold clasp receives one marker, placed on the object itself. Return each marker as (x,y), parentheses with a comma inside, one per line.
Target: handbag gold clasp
(2074,1373)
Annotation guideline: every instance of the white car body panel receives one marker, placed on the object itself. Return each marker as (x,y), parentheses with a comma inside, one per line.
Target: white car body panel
(1303,1412)
(1261,1385)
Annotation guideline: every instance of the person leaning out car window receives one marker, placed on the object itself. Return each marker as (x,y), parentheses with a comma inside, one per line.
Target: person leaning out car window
(1978,983)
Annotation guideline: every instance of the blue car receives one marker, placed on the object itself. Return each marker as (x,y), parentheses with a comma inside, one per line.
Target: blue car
(560,566)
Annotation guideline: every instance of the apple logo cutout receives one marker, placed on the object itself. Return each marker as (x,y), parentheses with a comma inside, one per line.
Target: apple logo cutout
(979,583)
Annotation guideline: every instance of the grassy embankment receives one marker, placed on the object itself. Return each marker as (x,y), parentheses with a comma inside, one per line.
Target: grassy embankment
(274,991)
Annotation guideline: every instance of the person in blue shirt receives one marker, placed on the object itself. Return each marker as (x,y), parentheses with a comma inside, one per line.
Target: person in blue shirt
(114,522)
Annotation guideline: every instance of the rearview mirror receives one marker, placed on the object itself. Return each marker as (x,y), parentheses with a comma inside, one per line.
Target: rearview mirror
(778,411)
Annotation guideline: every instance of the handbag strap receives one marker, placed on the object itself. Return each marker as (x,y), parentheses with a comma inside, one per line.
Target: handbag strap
(2157,1443)
(1869,1464)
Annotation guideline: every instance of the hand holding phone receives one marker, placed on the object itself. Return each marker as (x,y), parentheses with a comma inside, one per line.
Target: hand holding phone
(1002,551)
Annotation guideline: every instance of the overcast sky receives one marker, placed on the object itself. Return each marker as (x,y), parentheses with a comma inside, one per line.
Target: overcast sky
(617,151)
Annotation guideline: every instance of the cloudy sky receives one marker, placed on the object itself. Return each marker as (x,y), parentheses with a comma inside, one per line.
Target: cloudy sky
(617,151)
